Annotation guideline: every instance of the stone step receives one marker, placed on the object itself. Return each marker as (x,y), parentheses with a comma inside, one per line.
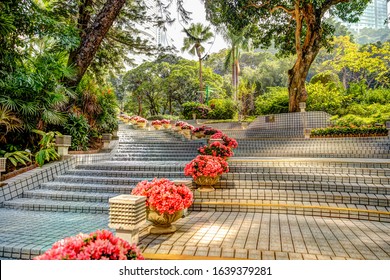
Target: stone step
(125,174)
(340,154)
(154,158)
(108,180)
(253,195)
(75,187)
(303,186)
(66,195)
(165,166)
(34,204)
(334,210)
(302,176)
(186,153)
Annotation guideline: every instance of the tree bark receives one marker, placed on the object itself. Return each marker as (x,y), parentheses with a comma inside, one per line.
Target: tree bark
(306,53)
(92,37)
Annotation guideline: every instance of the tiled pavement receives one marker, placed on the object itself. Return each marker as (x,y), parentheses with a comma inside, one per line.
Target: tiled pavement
(25,234)
(212,233)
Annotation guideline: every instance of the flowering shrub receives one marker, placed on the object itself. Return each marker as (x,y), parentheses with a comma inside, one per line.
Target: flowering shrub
(205,165)
(218,135)
(163,196)
(164,121)
(199,129)
(156,122)
(141,120)
(99,245)
(227,141)
(211,131)
(180,123)
(187,126)
(216,149)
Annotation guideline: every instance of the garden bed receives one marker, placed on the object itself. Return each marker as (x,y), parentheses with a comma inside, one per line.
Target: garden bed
(332,132)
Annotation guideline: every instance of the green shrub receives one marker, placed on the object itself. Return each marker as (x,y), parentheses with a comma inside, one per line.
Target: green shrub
(79,129)
(324,97)
(47,151)
(274,101)
(222,109)
(201,110)
(326,78)
(349,131)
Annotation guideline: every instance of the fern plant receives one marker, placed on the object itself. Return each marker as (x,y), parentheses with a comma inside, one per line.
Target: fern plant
(47,151)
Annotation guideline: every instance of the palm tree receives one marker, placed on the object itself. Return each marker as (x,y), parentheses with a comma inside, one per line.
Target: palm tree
(238,43)
(197,34)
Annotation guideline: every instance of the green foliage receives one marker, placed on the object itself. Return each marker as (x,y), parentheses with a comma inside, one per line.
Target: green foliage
(17,157)
(222,109)
(363,131)
(325,78)
(327,97)
(47,151)
(199,109)
(78,128)
(274,101)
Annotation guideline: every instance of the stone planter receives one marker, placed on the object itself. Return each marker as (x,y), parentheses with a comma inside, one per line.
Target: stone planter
(157,127)
(141,125)
(206,183)
(162,223)
(115,133)
(167,125)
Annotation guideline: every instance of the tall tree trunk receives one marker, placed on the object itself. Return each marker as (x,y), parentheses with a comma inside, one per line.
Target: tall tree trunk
(92,37)
(200,80)
(306,53)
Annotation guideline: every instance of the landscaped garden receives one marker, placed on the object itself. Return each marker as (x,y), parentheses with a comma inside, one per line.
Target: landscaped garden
(65,75)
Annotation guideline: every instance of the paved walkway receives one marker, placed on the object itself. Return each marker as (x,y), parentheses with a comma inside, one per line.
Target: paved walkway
(208,235)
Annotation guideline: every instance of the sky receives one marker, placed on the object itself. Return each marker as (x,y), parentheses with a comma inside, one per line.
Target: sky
(175,33)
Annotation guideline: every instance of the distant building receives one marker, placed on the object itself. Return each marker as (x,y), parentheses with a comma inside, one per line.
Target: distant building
(374,16)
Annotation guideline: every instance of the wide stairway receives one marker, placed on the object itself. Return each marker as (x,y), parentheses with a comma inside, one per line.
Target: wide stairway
(304,190)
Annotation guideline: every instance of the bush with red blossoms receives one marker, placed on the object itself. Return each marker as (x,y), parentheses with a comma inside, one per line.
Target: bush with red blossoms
(211,131)
(156,122)
(98,245)
(230,142)
(216,149)
(227,141)
(164,196)
(205,165)
(164,121)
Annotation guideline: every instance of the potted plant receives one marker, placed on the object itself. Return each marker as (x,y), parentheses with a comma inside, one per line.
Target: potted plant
(166,123)
(98,245)
(157,124)
(165,202)
(3,161)
(141,122)
(205,170)
(216,149)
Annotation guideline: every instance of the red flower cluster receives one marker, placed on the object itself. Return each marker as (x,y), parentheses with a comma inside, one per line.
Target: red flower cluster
(156,122)
(164,121)
(163,196)
(216,149)
(199,129)
(205,165)
(99,245)
(227,141)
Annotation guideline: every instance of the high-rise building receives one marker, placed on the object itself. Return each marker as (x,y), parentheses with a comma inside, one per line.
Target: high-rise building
(374,16)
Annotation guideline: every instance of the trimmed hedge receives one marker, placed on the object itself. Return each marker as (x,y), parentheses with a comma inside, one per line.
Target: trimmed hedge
(349,132)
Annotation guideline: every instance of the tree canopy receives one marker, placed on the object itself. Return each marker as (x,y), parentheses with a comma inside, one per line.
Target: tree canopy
(293,27)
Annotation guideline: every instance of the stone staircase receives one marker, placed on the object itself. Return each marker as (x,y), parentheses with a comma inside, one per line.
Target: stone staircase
(324,178)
